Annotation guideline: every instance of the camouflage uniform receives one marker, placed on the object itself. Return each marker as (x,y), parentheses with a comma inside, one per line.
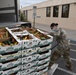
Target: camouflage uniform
(62,49)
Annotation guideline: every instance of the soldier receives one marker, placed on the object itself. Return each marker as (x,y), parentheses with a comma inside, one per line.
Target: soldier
(62,48)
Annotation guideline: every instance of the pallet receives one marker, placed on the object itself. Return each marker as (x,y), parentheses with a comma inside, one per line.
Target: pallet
(53,68)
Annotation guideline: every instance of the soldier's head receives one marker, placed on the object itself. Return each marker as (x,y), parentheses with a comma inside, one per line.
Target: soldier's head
(54,25)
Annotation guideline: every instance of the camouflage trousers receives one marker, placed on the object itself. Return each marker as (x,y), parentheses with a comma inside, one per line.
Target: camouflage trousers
(59,52)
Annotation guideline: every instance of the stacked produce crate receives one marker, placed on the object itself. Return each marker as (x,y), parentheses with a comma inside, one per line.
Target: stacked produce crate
(29,55)
(9,53)
(44,51)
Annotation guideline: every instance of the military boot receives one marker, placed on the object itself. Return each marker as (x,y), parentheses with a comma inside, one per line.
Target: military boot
(70,67)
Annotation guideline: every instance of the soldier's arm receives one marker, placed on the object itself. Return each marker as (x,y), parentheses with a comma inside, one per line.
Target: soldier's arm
(52,34)
(63,33)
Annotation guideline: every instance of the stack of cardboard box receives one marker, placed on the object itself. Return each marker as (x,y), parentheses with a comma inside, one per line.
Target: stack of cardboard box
(29,55)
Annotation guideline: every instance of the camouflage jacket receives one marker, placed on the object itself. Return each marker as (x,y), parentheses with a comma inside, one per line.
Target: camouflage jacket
(60,36)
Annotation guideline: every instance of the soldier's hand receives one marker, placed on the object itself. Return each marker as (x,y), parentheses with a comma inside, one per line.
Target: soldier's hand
(52,34)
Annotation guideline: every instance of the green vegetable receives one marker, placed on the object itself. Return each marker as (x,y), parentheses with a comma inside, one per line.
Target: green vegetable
(42,38)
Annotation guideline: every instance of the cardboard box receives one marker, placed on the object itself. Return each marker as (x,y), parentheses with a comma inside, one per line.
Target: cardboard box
(44,39)
(4,46)
(29,59)
(26,72)
(30,51)
(45,55)
(29,65)
(4,58)
(8,72)
(40,62)
(34,73)
(27,39)
(42,71)
(8,49)
(9,65)
(28,43)
(43,66)
(45,42)
(45,48)
(17,31)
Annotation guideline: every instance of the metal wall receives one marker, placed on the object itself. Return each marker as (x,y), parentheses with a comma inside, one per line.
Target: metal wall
(9,10)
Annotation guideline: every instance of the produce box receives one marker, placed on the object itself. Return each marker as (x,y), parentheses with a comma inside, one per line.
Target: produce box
(39,37)
(43,61)
(44,39)
(18,31)
(28,71)
(40,72)
(11,71)
(33,73)
(42,66)
(27,39)
(7,42)
(10,56)
(29,59)
(44,48)
(4,66)
(30,51)
(29,65)
(45,54)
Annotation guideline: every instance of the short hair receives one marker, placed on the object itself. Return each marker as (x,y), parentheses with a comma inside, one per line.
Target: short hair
(52,25)
(56,24)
